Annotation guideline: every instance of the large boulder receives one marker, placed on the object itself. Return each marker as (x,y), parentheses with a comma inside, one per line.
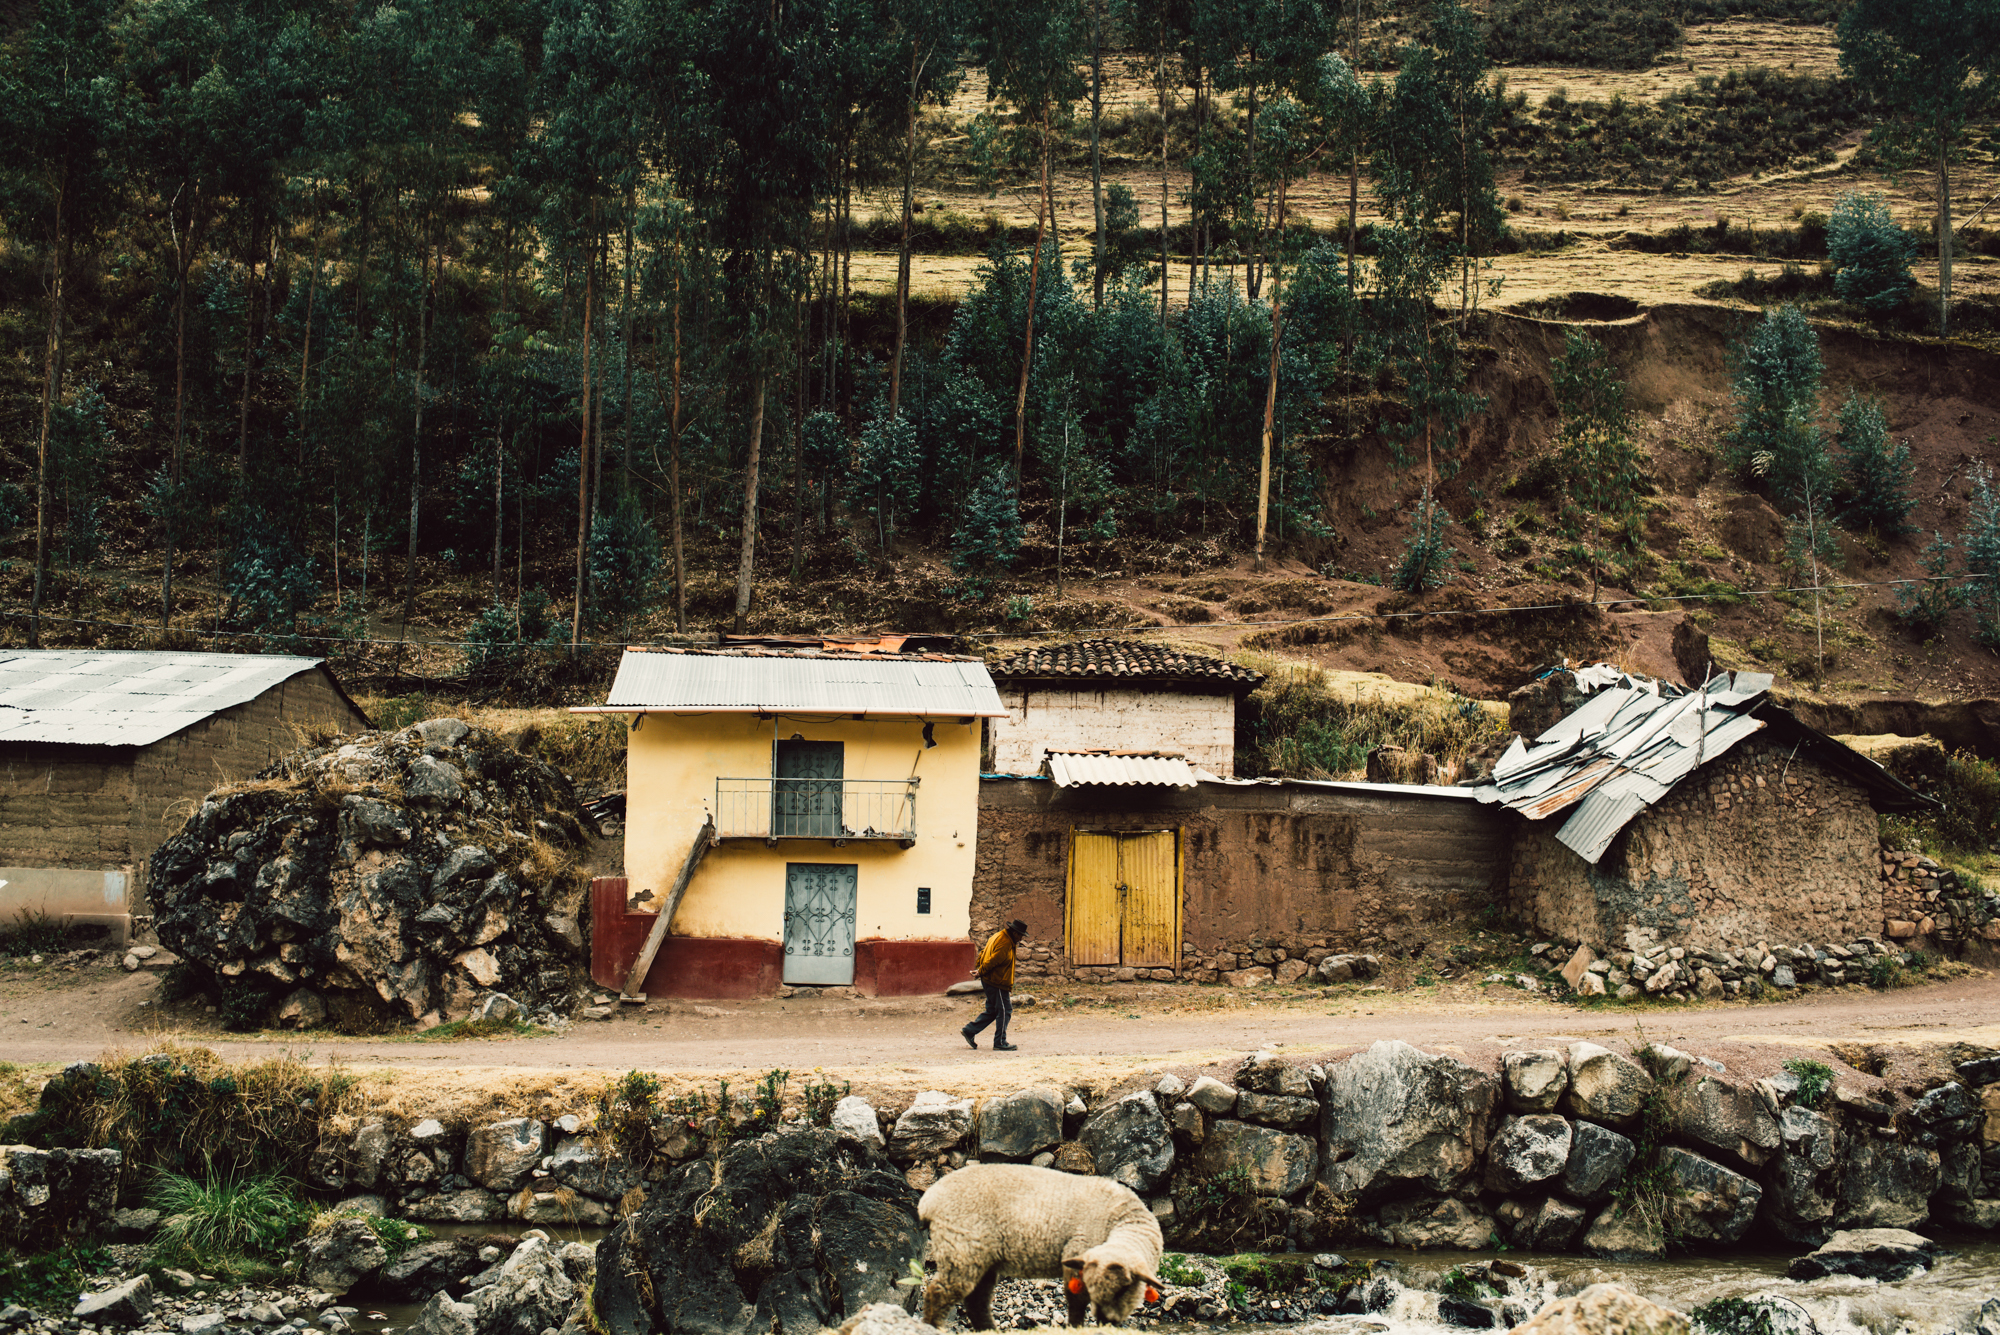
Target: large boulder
(1395,1120)
(1550,1226)
(1800,1194)
(1725,1117)
(127,1304)
(1604,1087)
(1277,1164)
(1267,1073)
(1427,1222)
(1130,1141)
(1708,1202)
(854,1119)
(394,875)
(1604,1309)
(1276,1110)
(48,1195)
(1526,1151)
(1885,1254)
(342,1255)
(1625,1233)
(1020,1125)
(501,1156)
(933,1123)
(1598,1158)
(787,1233)
(532,1293)
(1885,1184)
(583,1167)
(1535,1080)
(1212,1096)
(428,1269)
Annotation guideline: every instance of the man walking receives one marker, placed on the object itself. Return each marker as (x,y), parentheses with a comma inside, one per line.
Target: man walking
(996,975)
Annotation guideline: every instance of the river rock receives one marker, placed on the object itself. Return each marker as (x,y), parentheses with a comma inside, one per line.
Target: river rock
(1426,1222)
(500,1156)
(1212,1096)
(1885,1184)
(581,1166)
(1395,1119)
(1527,1150)
(854,1119)
(342,1256)
(1623,1233)
(1021,1125)
(442,1315)
(789,1232)
(1130,1142)
(1799,1196)
(1712,1203)
(49,1195)
(532,1292)
(1278,1164)
(1598,1158)
(1550,1226)
(933,1123)
(469,1205)
(381,878)
(1267,1073)
(1464,1313)
(126,1304)
(1885,1254)
(1945,1114)
(1535,1080)
(1276,1110)
(1603,1086)
(1725,1117)
(428,1269)
(1604,1309)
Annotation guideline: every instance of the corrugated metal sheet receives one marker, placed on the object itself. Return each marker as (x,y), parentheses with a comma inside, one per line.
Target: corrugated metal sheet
(106,697)
(1068,768)
(779,684)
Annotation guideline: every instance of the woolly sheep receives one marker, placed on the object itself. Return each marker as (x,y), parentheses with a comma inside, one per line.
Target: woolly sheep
(988,1220)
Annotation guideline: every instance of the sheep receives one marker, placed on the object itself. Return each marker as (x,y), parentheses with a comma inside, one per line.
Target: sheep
(988,1220)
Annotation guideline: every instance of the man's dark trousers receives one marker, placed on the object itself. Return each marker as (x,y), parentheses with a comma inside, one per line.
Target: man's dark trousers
(999,1010)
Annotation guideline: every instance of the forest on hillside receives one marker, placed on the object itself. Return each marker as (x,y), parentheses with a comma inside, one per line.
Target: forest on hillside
(311,302)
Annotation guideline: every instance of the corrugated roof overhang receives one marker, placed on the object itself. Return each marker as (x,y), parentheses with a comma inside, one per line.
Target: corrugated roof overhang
(1072,768)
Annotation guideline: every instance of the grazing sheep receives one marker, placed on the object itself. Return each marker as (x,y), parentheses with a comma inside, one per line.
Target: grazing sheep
(988,1220)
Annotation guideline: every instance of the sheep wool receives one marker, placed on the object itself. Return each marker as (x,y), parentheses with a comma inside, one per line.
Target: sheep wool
(990,1220)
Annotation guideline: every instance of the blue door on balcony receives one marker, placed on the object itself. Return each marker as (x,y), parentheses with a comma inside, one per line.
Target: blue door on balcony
(805,791)
(819,922)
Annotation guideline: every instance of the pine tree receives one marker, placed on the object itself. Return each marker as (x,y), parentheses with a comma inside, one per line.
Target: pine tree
(1777,386)
(1870,253)
(1877,470)
(989,539)
(1602,467)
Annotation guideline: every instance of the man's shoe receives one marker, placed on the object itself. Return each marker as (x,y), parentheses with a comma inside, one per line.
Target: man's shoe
(970,1041)
(1002,1047)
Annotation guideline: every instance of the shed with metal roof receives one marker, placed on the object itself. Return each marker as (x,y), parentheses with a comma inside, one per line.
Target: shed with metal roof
(99,748)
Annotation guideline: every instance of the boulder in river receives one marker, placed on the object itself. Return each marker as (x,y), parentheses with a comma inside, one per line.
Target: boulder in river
(394,875)
(1604,1309)
(1885,1254)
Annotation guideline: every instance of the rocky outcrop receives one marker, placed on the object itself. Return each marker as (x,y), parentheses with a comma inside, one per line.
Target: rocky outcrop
(1395,1119)
(532,1293)
(394,876)
(789,1232)
(343,1255)
(48,1195)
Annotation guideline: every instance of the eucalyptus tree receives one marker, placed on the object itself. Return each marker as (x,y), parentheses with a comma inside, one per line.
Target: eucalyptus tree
(927,36)
(61,122)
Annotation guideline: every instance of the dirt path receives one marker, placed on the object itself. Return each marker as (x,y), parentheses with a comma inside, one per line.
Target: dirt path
(1091,1033)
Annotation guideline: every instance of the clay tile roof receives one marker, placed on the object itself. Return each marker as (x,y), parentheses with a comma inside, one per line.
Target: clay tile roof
(1135,661)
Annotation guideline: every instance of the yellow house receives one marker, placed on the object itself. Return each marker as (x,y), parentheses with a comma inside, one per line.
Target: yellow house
(821,806)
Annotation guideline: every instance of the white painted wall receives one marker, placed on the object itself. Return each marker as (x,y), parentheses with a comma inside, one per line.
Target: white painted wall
(1080,718)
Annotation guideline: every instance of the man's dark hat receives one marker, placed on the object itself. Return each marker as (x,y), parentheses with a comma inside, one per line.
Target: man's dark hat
(1017,927)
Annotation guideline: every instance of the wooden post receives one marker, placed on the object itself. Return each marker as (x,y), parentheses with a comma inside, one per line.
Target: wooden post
(655,938)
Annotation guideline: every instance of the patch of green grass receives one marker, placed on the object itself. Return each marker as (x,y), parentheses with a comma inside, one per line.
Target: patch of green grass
(1815,1079)
(1461,1283)
(1265,1273)
(34,932)
(218,1218)
(1174,1269)
(490,1026)
(50,1281)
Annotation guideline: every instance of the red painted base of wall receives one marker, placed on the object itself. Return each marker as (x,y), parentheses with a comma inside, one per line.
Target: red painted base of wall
(709,968)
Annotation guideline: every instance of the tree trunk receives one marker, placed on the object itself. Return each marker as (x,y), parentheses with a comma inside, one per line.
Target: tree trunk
(249,344)
(746,562)
(1252,280)
(305,346)
(625,322)
(426,297)
(583,455)
(1161,76)
(1096,154)
(903,248)
(1028,344)
(183,262)
(499,498)
(1270,392)
(674,458)
(1944,238)
(52,376)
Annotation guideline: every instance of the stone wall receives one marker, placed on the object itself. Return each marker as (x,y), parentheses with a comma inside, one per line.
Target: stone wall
(1274,876)
(1087,718)
(1758,847)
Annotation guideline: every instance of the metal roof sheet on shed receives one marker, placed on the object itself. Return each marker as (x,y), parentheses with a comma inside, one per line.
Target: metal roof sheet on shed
(709,682)
(124,697)
(1069,768)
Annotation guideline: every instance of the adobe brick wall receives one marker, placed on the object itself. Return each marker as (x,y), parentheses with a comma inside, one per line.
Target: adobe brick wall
(1758,846)
(1270,872)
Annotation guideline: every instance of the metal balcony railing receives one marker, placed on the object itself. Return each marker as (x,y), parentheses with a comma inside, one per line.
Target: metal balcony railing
(836,809)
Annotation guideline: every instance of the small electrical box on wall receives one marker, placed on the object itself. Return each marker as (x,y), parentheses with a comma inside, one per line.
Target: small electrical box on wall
(923,899)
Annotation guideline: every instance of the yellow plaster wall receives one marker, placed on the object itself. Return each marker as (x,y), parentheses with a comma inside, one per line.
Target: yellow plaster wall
(672,764)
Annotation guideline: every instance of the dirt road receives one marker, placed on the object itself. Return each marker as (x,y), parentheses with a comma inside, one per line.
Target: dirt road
(1093,1031)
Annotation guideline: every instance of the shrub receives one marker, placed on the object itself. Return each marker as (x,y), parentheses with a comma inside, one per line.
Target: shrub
(1777,388)
(1922,606)
(221,1216)
(1877,470)
(1427,558)
(1870,253)
(624,564)
(1980,547)
(989,539)
(1815,1079)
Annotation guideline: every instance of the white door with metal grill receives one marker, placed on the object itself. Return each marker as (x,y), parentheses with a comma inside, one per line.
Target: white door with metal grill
(819,922)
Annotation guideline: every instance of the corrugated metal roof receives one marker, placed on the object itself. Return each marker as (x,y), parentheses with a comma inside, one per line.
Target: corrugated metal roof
(1069,768)
(781,683)
(110,697)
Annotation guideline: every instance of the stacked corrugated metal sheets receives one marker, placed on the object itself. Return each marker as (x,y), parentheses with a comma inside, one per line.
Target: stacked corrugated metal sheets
(1623,750)
(1069,768)
(106,697)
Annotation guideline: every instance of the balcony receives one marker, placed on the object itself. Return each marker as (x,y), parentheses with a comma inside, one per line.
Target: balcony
(834,810)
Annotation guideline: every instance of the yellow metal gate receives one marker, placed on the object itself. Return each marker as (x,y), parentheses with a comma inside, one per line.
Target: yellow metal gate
(1124,898)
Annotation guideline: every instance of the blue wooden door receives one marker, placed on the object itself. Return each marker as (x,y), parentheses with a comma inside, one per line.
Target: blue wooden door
(819,922)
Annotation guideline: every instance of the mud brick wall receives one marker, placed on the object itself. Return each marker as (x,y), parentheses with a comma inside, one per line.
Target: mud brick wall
(109,807)
(1759,846)
(1271,874)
